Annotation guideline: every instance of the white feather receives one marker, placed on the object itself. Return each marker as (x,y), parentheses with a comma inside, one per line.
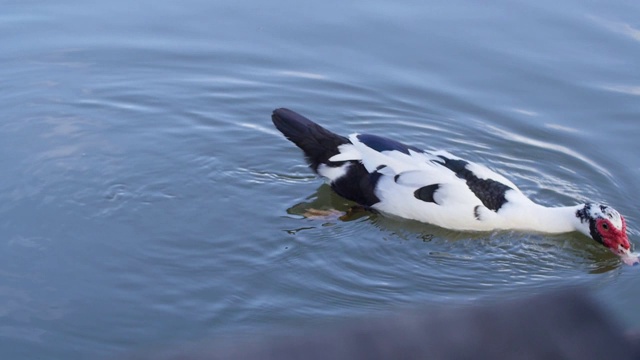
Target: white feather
(347,152)
(333,173)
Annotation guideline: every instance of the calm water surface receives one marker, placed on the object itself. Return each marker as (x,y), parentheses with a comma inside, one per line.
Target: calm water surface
(146,199)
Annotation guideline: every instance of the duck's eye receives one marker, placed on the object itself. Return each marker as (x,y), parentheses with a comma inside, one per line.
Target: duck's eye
(605,226)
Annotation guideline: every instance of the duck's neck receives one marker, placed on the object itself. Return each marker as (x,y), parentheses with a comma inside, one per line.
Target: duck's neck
(554,220)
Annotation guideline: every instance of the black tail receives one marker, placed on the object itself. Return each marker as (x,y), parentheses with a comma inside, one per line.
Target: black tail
(318,143)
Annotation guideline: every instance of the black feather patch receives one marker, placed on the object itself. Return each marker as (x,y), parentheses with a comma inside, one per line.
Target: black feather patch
(426,193)
(490,192)
(584,216)
(379,143)
(593,230)
(358,185)
(476,212)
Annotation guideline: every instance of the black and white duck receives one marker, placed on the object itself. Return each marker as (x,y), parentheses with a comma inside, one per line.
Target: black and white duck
(439,188)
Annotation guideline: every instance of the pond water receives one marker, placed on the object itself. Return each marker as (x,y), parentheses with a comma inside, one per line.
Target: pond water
(146,199)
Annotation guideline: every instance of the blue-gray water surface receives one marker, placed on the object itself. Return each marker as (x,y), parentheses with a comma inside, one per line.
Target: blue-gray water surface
(146,200)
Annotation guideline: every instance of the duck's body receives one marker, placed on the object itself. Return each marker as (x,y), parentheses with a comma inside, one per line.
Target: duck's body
(441,189)
(437,187)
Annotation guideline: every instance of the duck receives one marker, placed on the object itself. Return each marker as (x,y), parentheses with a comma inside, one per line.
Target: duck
(436,187)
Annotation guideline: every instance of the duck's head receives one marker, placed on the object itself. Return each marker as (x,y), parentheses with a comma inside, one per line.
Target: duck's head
(606,226)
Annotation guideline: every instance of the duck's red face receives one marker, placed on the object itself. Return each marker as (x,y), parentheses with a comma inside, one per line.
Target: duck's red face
(613,235)
(606,226)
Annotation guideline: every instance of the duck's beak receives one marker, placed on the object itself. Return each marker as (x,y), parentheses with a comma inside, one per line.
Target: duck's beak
(619,244)
(628,257)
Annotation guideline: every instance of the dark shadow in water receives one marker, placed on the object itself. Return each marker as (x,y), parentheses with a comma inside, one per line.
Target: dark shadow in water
(325,204)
